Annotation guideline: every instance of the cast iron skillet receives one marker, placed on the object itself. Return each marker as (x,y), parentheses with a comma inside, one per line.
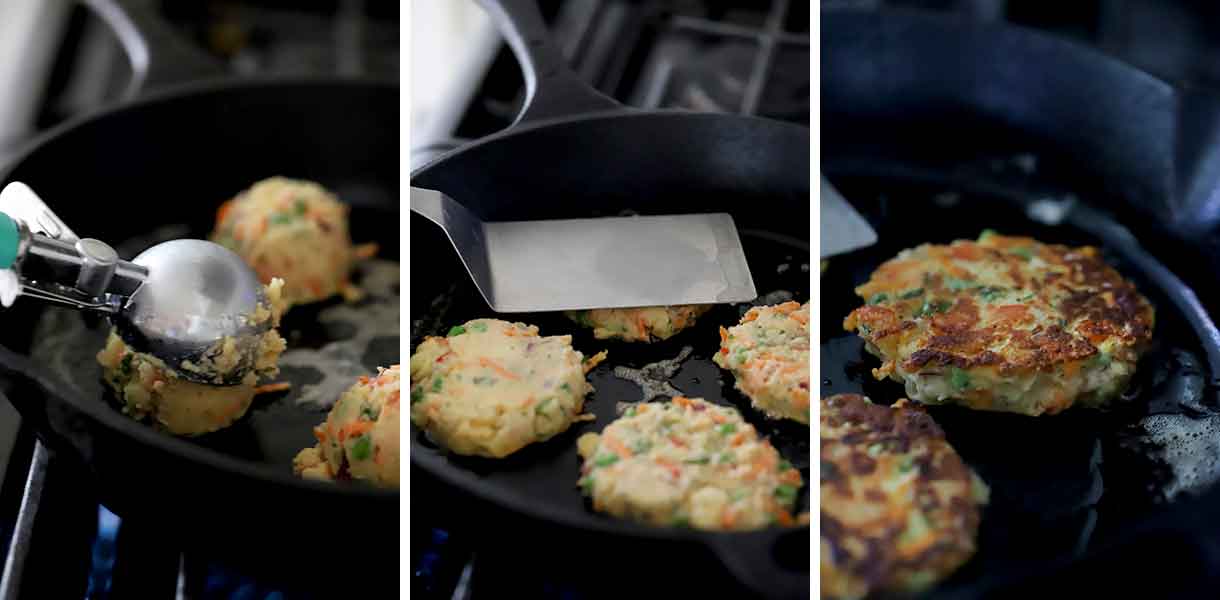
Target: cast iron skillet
(170,159)
(937,129)
(575,153)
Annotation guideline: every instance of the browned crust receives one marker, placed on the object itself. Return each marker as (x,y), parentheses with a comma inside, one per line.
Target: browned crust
(1046,315)
(867,554)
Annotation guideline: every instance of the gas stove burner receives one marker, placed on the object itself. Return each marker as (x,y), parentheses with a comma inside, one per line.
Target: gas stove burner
(713,81)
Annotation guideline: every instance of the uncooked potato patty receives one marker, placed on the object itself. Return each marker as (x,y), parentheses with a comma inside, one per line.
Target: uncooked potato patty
(899,508)
(151,389)
(1004,323)
(647,324)
(292,229)
(687,462)
(491,387)
(768,354)
(360,438)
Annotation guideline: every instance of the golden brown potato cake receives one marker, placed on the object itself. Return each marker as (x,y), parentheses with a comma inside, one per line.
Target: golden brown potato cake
(1005,324)
(900,510)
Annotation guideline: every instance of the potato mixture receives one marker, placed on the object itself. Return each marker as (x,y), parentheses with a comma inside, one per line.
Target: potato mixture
(768,353)
(492,387)
(295,230)
(688,463)
(151,389)
(360,438)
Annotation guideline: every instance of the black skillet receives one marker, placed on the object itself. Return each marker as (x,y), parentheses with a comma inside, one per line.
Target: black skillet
(170,159)
(575,153)
(936,129)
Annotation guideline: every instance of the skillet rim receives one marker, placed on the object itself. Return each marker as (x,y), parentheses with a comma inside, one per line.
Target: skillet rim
(123,425)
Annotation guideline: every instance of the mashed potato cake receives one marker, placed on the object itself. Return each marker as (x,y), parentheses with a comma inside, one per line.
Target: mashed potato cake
(492,387)
(1005,324)
(899,508)
(295,230)
(768,354)
(151,389)
(647,324)
(687,462)
(360,438)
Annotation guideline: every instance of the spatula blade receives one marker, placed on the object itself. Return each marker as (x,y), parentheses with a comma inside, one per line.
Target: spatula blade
(616,262)
(843,229)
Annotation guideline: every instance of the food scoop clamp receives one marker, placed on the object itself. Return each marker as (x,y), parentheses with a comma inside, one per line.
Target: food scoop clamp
(176,301)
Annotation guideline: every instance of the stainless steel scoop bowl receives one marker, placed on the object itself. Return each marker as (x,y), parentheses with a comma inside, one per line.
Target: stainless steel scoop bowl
(196,294)
(176,301)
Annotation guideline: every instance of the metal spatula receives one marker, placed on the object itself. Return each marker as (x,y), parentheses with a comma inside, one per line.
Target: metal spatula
(611,262)
(843,229)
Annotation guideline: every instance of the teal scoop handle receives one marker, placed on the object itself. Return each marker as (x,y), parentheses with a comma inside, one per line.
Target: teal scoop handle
(10,240)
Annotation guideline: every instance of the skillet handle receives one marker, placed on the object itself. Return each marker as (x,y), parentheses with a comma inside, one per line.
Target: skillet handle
(753,559)
(552,89)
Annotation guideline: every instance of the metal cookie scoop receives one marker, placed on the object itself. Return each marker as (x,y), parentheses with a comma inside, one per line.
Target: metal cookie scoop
(177,301)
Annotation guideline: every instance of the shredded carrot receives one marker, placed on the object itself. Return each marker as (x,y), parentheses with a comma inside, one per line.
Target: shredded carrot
(673,469)
(354,428)
(364,379)
(493,365)
(616,446)
(718,418)
(320,434)
(223,211)
(528,402)
(727,518)
(785,519)
(594,360)
(791,476)
(724,335)
(682,401)
(271,388)
(677,441)
(738,439)
(392,400)
(799,317)
(365,251)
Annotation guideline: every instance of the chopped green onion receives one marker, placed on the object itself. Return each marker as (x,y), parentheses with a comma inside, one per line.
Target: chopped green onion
(915,293)
(417,395)
(986,234)
(727,428)
(606,460)
(906,465)
(784,465)
(300,206)
(586,484)
(959,378)
(437,383)
(726,457)
(125,364)
(785,493)
(702,460)
(641,446)
(481,380)
(875,449)
(681,521)
(1023,252)
(958,285)
(991,293)
(479,327)
(542,405)
(878,298)
(281,218)
(456,330)
(630,412)
(362,448)
(565,387)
